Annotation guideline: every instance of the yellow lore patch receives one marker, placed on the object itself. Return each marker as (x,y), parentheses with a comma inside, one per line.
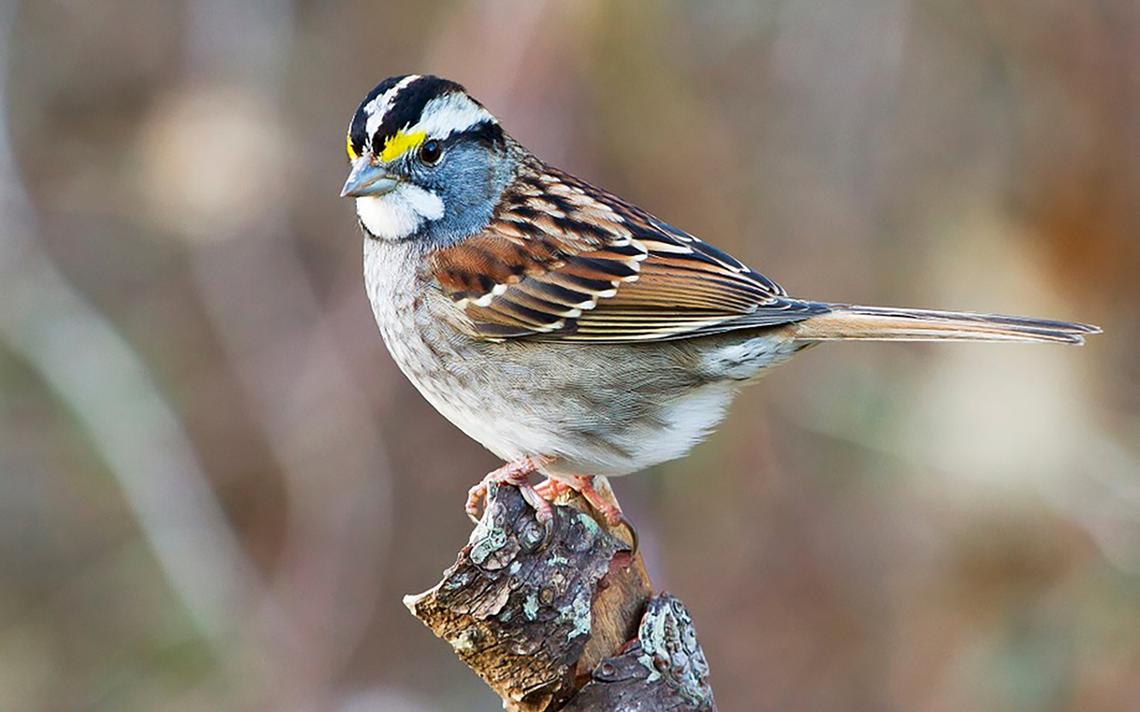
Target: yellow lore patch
(401,143)
(348,147)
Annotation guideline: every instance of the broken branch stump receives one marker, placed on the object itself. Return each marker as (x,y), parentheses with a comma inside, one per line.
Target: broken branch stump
(564,617)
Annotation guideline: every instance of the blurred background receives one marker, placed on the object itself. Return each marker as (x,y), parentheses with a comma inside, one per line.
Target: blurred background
(215,486)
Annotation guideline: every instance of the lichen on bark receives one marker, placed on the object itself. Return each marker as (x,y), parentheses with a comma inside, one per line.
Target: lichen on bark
(562,617)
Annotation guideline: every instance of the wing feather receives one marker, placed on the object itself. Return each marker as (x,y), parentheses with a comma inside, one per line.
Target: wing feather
(562,260)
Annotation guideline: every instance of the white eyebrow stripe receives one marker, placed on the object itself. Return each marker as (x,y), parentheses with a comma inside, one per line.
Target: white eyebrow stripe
(379,106)
(451,113)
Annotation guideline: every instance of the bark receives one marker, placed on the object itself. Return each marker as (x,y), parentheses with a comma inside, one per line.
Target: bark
(564,617)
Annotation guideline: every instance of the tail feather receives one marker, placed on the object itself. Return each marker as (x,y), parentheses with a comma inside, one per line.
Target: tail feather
(858,323)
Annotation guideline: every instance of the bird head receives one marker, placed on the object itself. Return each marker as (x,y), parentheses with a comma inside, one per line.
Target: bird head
(428,161)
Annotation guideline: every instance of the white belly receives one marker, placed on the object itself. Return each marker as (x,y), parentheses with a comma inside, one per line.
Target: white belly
(438,364)
(642,407)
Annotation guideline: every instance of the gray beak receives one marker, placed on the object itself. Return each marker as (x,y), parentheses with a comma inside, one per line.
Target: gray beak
(367,179)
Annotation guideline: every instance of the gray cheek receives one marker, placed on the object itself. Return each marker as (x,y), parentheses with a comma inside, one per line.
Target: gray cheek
(465,182)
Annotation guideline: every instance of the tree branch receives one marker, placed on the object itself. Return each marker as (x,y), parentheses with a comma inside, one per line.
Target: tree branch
(563,618)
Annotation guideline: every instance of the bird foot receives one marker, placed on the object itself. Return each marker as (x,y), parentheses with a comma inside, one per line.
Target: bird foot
(597,492)
(551,489)
(515,473)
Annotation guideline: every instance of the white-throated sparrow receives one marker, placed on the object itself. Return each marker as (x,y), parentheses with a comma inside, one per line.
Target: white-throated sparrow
(568,331)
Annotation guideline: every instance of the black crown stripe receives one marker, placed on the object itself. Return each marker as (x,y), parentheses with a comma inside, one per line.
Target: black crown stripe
(409,105)
(407,108)
(357,127)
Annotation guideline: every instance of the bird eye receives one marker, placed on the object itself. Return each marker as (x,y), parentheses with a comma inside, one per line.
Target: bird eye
(431,152)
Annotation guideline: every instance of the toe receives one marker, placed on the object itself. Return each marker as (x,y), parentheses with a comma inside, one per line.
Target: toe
(628,525)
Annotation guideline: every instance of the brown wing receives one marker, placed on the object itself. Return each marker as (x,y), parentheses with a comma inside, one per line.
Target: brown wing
(562,260)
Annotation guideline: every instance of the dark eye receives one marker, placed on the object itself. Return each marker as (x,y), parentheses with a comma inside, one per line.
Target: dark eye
(431,152)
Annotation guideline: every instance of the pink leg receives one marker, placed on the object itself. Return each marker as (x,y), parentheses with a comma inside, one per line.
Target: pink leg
(551,489)
(600,498)
(515,473)
(596,492)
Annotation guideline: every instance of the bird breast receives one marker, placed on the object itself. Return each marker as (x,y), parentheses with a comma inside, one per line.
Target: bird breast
(605,409)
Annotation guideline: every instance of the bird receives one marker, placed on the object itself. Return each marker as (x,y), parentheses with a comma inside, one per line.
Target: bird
(570,332)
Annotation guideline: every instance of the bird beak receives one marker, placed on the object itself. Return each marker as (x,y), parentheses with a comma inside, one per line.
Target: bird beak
(367,179)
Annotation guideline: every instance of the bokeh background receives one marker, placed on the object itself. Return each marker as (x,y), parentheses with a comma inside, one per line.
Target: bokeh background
(215,487)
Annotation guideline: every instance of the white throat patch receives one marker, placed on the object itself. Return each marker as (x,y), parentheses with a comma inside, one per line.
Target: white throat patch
(400,213)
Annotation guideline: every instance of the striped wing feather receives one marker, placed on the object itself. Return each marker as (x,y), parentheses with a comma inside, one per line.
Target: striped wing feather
(562,260)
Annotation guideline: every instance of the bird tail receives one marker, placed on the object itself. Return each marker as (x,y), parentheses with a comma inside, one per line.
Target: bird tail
(846,322)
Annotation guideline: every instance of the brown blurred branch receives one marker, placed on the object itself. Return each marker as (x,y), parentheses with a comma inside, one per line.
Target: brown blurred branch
(564,619)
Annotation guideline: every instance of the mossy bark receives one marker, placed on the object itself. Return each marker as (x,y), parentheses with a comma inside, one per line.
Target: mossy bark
(563,617)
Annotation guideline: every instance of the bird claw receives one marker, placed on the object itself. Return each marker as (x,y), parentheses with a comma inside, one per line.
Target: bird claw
(551,489)
(515,473)
(595,490)
(634,543)
(543,510)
